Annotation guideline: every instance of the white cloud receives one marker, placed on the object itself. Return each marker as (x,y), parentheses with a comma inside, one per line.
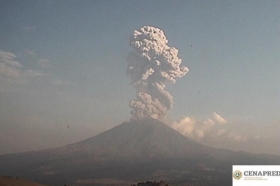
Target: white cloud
(31,53)
(8,59)
(207,130)
(43,62)
(8,72)
(9,68)
(12,71)
(220,132)
(33,73)
(237,138)
(219,119)
(194,128)
(185,126)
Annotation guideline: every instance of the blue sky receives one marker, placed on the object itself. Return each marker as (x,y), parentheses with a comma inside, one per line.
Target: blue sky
(62,63)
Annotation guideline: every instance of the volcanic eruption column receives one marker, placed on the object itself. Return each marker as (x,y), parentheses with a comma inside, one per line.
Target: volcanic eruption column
(151,64)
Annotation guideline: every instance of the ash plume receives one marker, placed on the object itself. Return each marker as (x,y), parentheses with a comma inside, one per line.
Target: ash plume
(151,64)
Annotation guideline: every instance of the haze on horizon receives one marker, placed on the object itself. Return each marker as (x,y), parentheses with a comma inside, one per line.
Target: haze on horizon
(62,70)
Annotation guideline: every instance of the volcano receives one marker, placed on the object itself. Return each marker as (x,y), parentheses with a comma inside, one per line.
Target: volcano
(144,139)
(135,150)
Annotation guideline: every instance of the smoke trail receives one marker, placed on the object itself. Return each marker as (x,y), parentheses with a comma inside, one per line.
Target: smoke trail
(151,64)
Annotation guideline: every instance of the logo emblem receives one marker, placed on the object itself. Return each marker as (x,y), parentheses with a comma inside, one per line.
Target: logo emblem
(237,175)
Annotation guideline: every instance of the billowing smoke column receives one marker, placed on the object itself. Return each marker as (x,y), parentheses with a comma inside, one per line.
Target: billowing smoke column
(151,64)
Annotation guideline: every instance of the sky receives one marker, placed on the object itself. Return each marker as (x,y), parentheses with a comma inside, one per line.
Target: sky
(63,63)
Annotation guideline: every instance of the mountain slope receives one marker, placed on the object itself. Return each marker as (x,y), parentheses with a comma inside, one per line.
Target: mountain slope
(138,139)
(134,150)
